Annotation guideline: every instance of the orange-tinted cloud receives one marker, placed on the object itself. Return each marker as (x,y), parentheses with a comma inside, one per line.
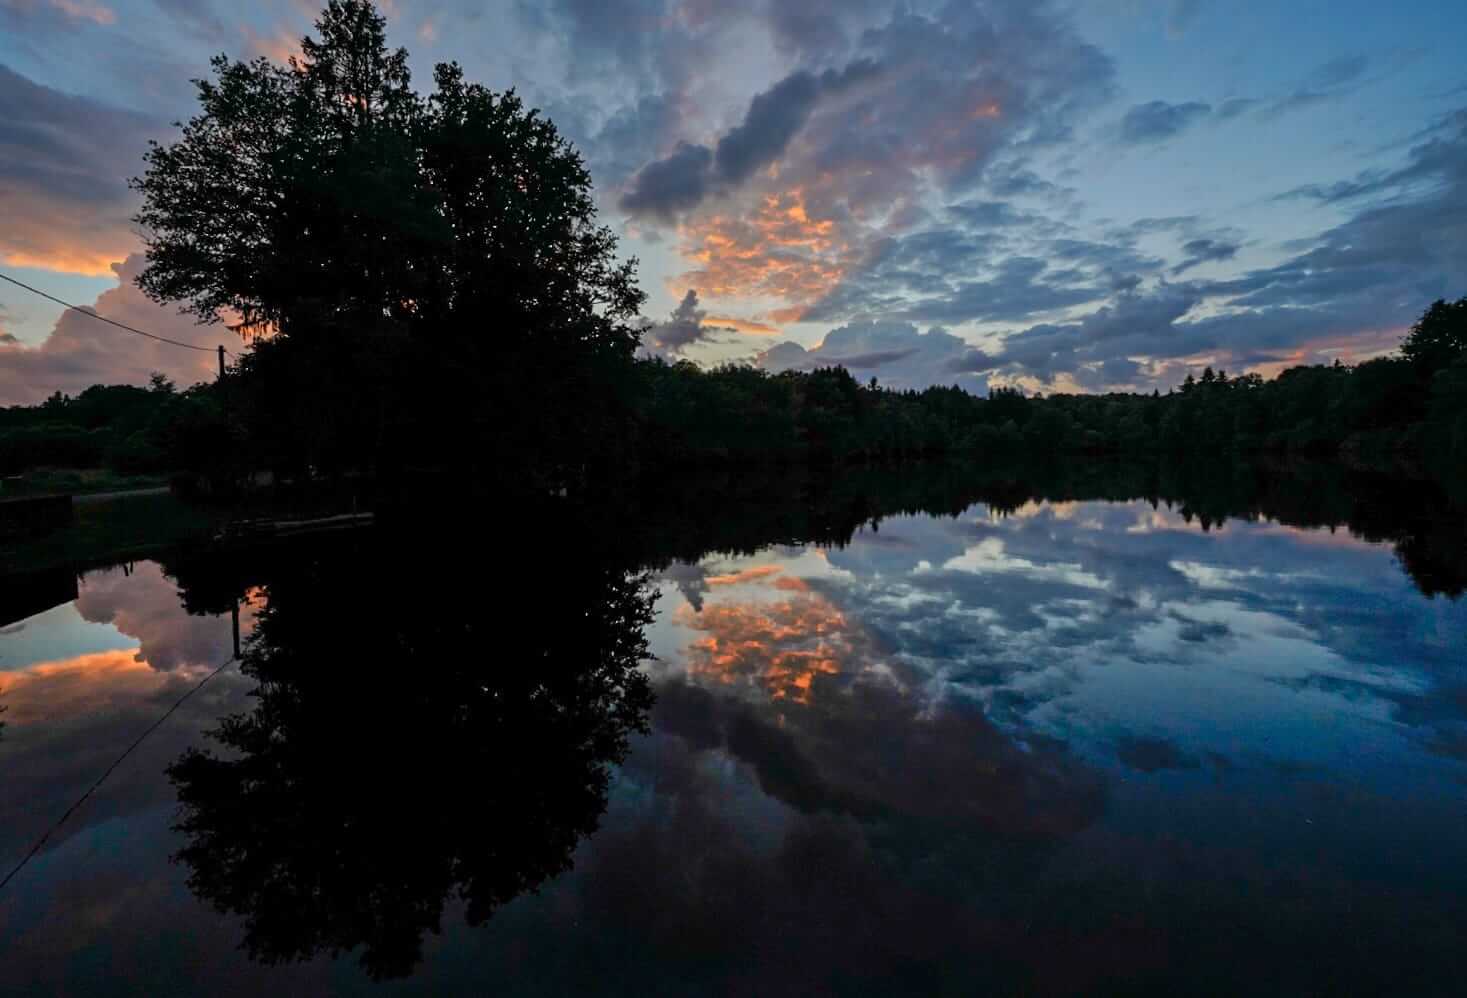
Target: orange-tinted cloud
(776,251)
(81,352)
(281,45)
(750,326)
(1350,349)
(85,10)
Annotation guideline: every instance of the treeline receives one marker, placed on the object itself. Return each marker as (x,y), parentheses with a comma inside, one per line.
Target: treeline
(1411,406)
(125,428)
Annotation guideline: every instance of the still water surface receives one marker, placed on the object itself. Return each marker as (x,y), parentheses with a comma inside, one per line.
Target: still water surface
(1037,747)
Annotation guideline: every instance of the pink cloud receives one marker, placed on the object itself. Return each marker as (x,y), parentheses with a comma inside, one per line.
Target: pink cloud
(81,352)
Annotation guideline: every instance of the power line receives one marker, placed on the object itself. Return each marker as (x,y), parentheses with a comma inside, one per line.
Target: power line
(117,762)
(110,322)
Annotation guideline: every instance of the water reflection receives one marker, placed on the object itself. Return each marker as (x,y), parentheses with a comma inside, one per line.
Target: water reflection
(458,745)
(1027,731)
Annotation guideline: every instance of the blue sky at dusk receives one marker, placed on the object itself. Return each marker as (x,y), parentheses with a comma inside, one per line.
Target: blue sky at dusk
(1067,196)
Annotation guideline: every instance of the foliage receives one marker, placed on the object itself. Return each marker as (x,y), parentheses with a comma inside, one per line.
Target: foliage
(425,270)
(1387,409)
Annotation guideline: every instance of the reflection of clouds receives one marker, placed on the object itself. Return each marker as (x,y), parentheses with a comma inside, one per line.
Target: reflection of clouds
(69,720)
(1081,619)
(70,717)
(145,605)
(781,646)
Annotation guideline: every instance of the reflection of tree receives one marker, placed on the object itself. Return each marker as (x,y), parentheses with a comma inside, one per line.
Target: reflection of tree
(440,745)
(1422,519)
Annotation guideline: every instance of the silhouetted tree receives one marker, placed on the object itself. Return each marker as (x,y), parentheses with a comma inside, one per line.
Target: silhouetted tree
(1439,337)
(428,268)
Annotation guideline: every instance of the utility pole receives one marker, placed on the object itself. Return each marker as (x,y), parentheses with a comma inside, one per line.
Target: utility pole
(221,362)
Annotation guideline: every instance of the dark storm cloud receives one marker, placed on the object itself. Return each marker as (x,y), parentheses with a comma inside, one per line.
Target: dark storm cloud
(772,120)
(1157,120)
(664,188)
(667,187)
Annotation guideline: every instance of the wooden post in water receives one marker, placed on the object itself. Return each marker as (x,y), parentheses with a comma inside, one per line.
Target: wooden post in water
(221,362)
(234,619)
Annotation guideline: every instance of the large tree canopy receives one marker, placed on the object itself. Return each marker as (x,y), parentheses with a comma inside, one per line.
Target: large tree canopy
(400,251)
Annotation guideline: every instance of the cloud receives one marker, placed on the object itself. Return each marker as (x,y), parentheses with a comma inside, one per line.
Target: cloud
(85,10)
(772,120)
(146,605)
(664,189)
(824,165)
(1158,121)
(685,328)
(1332,80)
(1337,72)
(1234,106)
(1200,251)
(81,352)
(668,187)
(896,353)
(63,167)
(1354,291)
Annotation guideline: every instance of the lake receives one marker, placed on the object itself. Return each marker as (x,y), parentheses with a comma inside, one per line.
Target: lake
(1080,730)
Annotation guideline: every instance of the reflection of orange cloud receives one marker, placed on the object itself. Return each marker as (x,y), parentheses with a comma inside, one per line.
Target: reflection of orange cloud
(777,252)
(780,647)
(790,583)
(49,692)
(747,575)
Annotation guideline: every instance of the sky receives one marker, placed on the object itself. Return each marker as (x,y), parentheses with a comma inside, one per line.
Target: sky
(1063,195)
